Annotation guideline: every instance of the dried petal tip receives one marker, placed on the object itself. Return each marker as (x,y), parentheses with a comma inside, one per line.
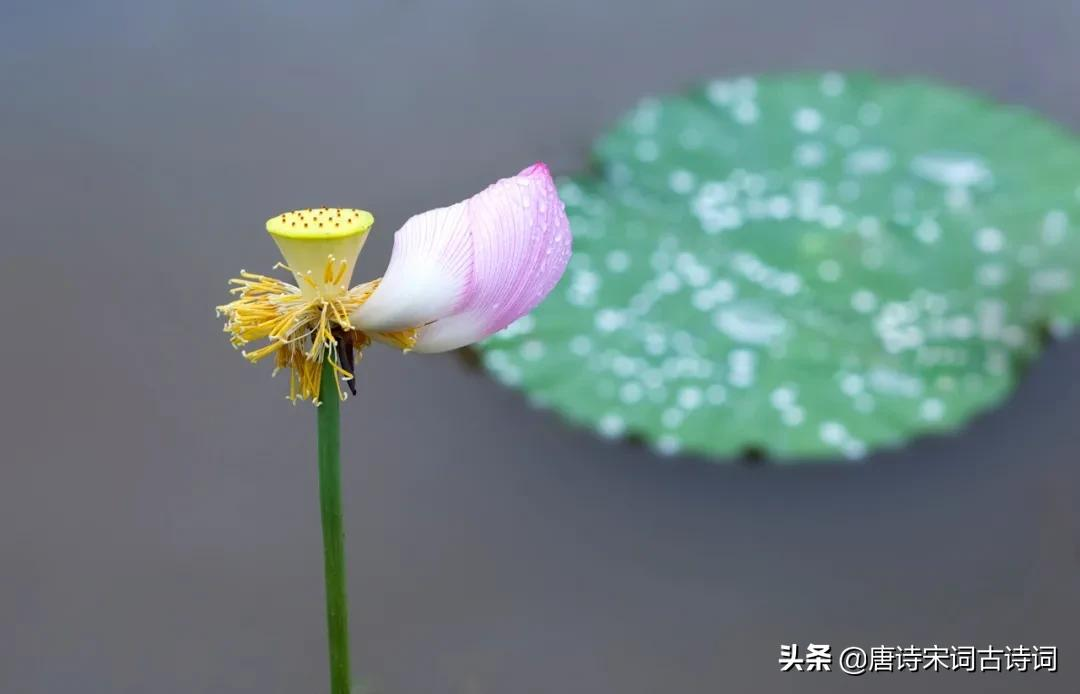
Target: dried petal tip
(538,169)
(307,238)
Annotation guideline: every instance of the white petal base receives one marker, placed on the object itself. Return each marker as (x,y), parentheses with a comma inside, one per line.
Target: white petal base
(451,333)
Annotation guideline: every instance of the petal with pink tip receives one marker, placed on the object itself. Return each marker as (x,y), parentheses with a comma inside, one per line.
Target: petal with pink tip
(466,271)
(429,272)
(521,244)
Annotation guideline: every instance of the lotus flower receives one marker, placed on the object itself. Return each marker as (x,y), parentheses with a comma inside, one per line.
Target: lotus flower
(456,275)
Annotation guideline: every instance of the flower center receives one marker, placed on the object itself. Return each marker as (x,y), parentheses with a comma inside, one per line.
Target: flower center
(302,330)
(310,238)
(320,223)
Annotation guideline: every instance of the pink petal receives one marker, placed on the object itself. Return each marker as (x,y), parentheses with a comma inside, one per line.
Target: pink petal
(469,270)
(428,275)
(521,244)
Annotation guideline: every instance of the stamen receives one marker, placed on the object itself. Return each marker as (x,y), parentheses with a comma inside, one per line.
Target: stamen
(301,333)
(341,273)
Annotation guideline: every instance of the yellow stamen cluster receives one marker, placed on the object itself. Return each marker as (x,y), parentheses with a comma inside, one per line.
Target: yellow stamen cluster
(303,329)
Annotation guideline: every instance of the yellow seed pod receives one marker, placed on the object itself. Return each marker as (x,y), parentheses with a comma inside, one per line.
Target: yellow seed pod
(320,246)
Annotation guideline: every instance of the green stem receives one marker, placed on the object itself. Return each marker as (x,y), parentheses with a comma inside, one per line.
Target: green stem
(337,606)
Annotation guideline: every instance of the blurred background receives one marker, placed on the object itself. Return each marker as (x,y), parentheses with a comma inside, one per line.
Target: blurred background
(159,527)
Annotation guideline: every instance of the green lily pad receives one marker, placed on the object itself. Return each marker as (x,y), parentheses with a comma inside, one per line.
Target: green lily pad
(807,266)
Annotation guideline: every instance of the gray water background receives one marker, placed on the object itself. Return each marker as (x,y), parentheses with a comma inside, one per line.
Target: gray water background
(159,528)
